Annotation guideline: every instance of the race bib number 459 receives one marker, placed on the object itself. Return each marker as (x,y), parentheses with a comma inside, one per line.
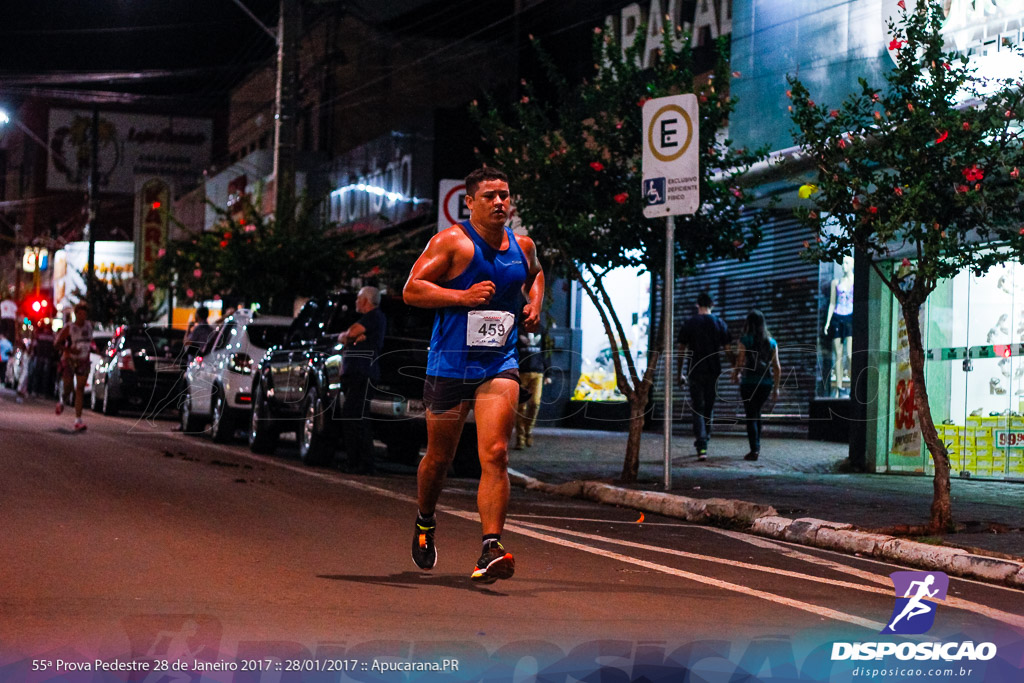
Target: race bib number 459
(489,329)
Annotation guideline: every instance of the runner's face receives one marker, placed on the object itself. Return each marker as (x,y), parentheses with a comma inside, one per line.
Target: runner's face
(491,204)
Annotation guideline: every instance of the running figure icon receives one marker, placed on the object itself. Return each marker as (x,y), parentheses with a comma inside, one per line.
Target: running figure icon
(916,605)
(917,594)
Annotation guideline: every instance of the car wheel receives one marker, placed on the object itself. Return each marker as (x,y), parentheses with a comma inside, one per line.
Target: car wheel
(316,437)
(262,434)
(110,406)
(221,429)
(190,423)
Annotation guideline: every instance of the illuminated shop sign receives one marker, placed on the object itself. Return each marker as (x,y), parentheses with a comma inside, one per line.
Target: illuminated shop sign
(987,32)
(707,20)
(379,183)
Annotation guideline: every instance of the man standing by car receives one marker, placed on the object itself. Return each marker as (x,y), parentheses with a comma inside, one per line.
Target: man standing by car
(363,342)
(200,333)
(474,274)
(76,341)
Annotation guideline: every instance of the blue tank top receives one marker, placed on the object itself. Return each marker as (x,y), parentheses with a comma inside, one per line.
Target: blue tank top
(477,343)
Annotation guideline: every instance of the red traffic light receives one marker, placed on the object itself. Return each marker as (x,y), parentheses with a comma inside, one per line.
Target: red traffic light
(37,307)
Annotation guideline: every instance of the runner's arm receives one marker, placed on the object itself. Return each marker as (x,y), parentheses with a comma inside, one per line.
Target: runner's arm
(534,285)
(433,265)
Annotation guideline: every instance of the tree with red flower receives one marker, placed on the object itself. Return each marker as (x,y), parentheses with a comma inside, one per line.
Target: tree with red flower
(929,147)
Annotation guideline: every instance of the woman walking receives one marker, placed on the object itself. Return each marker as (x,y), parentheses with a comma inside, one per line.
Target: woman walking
(758,371)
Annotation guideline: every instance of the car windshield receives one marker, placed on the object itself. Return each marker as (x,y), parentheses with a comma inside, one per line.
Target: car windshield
(157,341)
(265,336)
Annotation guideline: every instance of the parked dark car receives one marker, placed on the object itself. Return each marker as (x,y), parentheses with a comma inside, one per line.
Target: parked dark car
(142,369)
(297,386)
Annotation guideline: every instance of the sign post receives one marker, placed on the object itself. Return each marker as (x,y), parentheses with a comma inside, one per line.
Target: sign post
(670,187)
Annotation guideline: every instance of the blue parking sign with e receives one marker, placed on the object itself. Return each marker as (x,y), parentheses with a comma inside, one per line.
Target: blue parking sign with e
(654,191)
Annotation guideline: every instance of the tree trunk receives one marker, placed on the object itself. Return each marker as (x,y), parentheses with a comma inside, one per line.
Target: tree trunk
(941,512)
(637,409)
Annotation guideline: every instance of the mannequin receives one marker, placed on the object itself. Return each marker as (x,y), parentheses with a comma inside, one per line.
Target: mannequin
(839,324)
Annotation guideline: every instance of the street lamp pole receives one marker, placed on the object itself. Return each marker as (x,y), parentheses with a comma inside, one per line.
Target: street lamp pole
(94,177)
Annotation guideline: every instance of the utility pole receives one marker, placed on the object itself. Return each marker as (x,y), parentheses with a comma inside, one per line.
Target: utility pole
(94,180)
(286,123)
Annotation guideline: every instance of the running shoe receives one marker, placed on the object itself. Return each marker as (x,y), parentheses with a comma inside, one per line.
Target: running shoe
(60,407)
(702,453)
(496,563)
(424,553)
(79,426)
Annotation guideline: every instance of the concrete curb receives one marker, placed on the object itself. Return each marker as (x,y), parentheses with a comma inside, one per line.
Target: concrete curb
(763,520)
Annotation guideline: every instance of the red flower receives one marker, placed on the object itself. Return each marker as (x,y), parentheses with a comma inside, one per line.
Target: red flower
(227,235)
(896,44)
(945,65)
(813,215)
(901,4)
(1014,173)
(942,138)
(736,192)
(834,113)
(966,126)
(973,174)
(873,210)
(151,287)
(642,101)
(1022,231)
(898,190)
(351,254)
(962,189)
(789,94)
(524,99)
(597,166)
(910,107)
(874,97)
(223,243)
(197,273)
(905,262)
(810,103)
(1008,113)
(189,293)
(842,143)
(621,197)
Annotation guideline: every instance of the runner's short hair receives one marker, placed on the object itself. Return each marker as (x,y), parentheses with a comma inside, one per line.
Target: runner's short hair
(478,176)
(704,300)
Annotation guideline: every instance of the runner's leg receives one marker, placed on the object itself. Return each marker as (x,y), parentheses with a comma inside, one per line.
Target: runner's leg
(495,415)
(443,432)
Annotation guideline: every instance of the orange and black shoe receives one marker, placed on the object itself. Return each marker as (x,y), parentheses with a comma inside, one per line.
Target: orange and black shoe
(496,563)
(424,553)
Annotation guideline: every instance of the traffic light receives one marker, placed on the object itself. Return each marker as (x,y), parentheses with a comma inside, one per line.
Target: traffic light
(37,307)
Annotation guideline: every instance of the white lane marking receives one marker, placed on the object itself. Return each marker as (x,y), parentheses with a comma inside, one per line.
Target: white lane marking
(601,520)
(526,531)
(950,601)
(814,609)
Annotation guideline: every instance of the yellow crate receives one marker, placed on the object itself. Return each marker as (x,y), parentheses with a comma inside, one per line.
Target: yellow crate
(983,442)
(974,421)
(1015,454)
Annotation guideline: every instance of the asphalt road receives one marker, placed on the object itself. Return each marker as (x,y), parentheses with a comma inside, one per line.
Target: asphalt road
(133,542)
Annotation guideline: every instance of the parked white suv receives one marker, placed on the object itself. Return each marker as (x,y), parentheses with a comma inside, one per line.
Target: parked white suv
(218,381)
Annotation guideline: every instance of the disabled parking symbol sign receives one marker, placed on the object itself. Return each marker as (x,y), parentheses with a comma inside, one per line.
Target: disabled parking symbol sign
(654,191)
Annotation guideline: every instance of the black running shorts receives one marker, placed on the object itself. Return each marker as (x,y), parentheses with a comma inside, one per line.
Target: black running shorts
(441,394)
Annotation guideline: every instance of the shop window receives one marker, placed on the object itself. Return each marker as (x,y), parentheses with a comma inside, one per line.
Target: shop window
(973,328)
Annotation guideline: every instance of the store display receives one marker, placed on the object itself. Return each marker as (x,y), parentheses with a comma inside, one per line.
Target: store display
(839,328)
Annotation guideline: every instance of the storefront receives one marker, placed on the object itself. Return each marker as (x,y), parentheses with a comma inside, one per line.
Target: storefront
(973,328)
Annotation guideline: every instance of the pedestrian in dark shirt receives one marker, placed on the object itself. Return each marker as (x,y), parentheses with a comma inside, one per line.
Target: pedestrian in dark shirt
(533,366)
(703,335)
(363,342)
(200,333)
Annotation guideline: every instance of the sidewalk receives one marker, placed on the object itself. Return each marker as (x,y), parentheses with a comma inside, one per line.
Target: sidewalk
(795,479)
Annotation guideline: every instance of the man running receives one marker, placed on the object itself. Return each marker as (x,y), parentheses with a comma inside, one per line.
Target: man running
(474,274)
